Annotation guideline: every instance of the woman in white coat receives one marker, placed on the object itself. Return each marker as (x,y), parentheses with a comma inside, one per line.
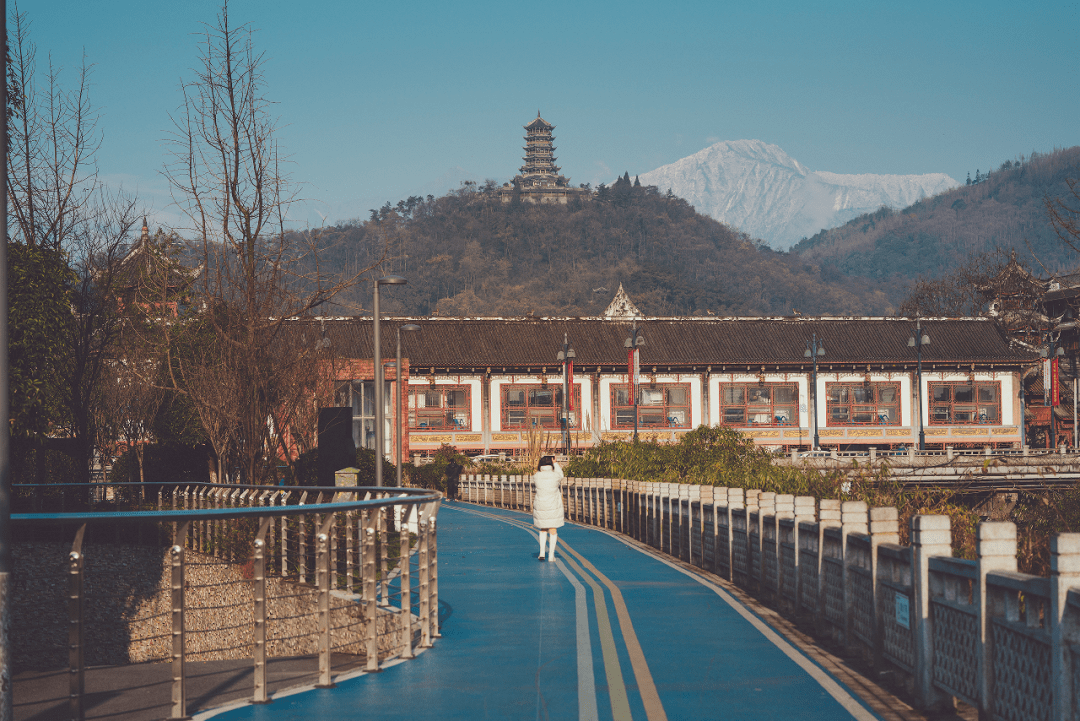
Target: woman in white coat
(548,504)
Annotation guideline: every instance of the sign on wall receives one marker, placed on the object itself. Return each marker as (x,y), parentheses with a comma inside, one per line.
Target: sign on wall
(903,610)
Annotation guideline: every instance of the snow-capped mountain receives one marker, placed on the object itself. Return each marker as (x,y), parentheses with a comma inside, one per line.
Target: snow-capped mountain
(763,191)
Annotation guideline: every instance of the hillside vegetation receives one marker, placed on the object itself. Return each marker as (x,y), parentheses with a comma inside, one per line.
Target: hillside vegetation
(469,253)
(1004,209)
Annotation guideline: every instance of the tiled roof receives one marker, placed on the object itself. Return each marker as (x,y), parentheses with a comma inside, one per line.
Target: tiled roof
(540,123)
(521,342)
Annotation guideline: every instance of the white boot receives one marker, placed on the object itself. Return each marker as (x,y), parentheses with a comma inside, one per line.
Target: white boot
(551,546)
(543,542)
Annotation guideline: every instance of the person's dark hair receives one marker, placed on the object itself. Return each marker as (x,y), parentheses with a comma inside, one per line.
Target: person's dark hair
(546,461)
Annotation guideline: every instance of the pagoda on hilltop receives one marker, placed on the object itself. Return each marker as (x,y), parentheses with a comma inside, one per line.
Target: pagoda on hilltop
(539,180)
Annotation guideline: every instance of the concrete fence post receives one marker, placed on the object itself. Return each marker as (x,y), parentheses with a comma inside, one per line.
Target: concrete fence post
(1064,574)
(996,550)
(686,516)
(784,509)
(665,518)
(805,509)
(703,500)
(648,512)
(736,499)
(753,545)
(930,536)
(660,517)
(828,517)
(719,500)
(884,528)
(854,518)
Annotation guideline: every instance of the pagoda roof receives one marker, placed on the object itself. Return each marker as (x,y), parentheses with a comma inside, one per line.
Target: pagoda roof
(148,259)
(539,124)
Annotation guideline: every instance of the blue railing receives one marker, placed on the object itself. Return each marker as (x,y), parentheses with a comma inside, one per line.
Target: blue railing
(268,571)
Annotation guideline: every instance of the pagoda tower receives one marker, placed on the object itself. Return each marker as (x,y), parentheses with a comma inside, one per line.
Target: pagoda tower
(539,152)
(539,180)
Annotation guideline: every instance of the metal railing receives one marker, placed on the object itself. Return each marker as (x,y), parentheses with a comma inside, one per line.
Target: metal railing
(264,546)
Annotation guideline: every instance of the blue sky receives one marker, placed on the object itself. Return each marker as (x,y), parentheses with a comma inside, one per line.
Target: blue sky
(381,100)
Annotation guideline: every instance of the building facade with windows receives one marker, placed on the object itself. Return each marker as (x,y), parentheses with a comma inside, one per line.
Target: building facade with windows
(489,385)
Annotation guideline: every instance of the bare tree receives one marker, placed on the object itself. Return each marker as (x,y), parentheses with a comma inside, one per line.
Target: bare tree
(128,406)
(226,175)
(56,202)
(1064,215)
(963,292)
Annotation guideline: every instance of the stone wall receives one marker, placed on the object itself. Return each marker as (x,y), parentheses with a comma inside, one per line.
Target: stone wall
(127,609)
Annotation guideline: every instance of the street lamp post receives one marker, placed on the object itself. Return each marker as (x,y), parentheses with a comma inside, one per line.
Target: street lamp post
(632,343)
(917,341)
(566,357)
(380,374)
(1023,419)
(814,348)
(400,390)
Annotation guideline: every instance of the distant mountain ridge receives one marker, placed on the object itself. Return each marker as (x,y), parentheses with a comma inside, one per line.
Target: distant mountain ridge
(763,191)
(1004,211)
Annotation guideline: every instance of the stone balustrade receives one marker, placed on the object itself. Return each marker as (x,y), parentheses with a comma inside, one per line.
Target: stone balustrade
(974,630)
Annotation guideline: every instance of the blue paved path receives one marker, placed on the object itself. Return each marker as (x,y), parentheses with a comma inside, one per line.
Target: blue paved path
(523,639)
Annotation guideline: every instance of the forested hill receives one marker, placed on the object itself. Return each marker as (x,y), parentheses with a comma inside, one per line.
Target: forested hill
(467,253)
(1003,208)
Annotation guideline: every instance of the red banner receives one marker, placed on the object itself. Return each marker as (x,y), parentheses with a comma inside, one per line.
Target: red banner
(570,385)
(630,372)
(1054,385)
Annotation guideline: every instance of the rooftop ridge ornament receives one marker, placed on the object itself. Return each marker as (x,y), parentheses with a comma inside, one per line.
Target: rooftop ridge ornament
(621,307)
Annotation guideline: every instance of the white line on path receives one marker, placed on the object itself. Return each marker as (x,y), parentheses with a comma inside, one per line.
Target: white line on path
(586,681)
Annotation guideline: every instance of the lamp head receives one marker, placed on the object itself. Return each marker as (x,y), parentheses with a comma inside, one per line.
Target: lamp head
(641,340)
(808,354)
(391,280)
(571,354)
(1060,351)
(911,342)
(926,339)
(628,343)
(560,356)
(821,349)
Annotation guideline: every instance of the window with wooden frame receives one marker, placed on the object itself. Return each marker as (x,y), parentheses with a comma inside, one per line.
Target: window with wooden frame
(965,403)
(536,406)
(440,407)
(759,404)
(862,404)
(660,405)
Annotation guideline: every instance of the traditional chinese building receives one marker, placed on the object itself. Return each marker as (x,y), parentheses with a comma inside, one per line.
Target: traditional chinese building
(539,180)
(152,276)
(488,385)
(1040,315)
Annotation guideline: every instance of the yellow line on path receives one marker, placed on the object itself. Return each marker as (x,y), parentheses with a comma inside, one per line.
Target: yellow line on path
(654,709)
(620,703)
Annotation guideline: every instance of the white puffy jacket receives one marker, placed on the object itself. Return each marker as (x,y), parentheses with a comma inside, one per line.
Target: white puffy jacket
(547,503)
